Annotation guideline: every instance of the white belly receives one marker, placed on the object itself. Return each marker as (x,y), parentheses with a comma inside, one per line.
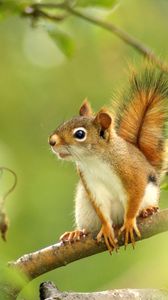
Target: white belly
(106,187)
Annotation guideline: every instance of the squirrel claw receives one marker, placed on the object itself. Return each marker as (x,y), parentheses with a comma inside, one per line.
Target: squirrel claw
(72,236)
(108,234)
(146,212)
(128,230)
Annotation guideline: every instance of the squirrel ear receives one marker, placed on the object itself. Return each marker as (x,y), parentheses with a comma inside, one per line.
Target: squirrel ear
(104,119)
(85,109)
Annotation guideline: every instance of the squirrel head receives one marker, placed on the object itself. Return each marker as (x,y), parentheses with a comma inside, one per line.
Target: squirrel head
(83,135)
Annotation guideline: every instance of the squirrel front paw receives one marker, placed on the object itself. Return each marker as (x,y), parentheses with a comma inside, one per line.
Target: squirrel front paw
(128,230)
(107,233)
(73,236)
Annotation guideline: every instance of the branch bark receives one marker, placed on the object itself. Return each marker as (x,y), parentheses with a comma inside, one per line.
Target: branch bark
(37,263)
(48,291)
(58,255)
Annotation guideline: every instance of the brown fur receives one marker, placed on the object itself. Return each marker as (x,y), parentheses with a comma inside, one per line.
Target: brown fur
(134,145)
(133,169)
(85,109)
(142,120)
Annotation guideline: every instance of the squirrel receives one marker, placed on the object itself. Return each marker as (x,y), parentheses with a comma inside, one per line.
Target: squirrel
(120,155)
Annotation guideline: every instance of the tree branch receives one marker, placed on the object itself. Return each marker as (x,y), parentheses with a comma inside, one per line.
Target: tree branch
(48,291)
(58,255)
(124,36)
(36,10)
(35,13)
(37,263)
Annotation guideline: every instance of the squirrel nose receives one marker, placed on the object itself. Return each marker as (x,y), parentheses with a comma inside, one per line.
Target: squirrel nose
(52,140)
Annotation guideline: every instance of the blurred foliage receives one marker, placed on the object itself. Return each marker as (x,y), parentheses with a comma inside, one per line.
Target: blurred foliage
(164,186)
(39,88)
(12,281)
(63,41)
(99,3)
(31,8)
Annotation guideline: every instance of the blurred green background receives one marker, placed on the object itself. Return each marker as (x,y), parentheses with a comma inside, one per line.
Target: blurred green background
(39,88)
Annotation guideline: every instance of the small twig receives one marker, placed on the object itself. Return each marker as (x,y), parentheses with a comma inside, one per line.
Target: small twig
(123,35)
(4,223)
(35,12)
(10,190)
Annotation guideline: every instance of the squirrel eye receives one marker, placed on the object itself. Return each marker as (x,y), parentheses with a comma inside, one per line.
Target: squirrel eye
(80,134)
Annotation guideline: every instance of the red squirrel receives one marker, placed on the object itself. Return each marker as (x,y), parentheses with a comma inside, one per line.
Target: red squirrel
(120,155)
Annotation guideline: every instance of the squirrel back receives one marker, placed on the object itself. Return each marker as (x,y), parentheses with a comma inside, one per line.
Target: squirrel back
(142,113)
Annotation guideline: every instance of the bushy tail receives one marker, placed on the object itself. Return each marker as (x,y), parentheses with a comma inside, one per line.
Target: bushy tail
(164,170)
(143,113)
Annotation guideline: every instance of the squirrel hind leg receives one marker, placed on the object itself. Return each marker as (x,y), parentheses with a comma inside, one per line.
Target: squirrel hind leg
(73,236)
(148,211)
(150,200)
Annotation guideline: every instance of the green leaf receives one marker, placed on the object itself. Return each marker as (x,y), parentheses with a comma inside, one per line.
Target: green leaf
(164,186)
(11,278)
(62,40)
(96,3)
